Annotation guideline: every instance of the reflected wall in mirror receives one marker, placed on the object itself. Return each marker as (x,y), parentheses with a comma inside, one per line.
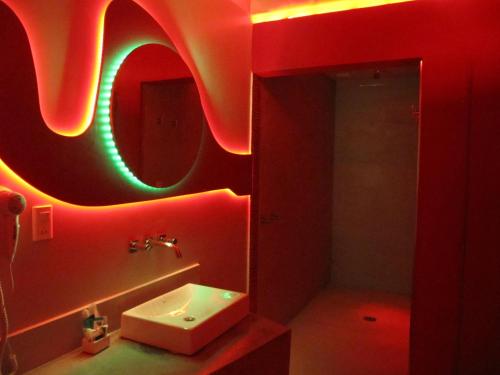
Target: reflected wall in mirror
(157,118)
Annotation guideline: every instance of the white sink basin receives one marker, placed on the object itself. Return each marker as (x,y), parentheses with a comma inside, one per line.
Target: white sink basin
(185,319)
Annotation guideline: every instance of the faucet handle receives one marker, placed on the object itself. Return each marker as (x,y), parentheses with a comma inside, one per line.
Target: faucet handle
(132,246)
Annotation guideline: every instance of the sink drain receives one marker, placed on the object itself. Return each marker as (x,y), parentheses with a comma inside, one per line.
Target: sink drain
(189,318)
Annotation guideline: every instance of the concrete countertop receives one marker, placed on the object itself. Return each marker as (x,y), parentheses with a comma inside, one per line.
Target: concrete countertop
(128,357)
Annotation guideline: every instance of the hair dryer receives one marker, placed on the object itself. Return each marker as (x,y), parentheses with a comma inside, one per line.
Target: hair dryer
(11,206)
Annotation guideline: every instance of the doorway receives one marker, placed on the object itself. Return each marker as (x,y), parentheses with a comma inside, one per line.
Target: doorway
(336,156)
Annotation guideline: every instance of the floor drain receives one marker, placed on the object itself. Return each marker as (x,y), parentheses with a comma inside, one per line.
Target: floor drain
(189,318)
(370,318)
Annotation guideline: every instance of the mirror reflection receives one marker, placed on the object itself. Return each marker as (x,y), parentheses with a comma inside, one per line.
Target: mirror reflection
(156,114)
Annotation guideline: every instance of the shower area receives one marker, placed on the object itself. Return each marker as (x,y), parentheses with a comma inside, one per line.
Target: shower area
(334,233)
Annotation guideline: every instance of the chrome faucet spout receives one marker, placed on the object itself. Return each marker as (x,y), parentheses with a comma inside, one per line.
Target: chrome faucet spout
(177,250)
(170,243)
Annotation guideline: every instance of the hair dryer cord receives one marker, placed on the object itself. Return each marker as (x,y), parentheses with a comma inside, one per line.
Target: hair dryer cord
(4,344)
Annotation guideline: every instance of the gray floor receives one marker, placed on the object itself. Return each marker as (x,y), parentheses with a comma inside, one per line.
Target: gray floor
(330,336)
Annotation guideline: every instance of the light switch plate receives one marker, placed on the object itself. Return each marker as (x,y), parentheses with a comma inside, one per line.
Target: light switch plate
(42,220)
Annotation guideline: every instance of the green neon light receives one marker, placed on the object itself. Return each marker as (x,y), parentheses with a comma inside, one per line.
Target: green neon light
(103,119)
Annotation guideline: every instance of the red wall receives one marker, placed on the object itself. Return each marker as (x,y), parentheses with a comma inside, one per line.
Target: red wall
(480,328)
(453,328)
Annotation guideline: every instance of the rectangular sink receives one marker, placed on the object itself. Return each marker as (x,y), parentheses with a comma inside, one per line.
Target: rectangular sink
(185,319)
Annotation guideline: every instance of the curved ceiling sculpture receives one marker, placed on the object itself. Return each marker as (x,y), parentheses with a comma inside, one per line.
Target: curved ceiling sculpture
(50,78)
(67,77)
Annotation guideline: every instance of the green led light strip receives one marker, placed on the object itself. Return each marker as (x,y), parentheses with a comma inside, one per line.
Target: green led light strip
(103,118)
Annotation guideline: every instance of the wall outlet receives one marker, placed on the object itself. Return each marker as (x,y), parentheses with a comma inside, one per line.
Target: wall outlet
(42,220)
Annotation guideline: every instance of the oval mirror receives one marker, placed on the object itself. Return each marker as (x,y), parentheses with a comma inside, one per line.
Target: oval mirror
(156,115)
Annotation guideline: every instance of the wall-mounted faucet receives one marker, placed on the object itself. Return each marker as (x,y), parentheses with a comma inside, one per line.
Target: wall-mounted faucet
(163,241)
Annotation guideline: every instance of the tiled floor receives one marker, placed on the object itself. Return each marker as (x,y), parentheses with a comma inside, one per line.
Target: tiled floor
(331,336)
